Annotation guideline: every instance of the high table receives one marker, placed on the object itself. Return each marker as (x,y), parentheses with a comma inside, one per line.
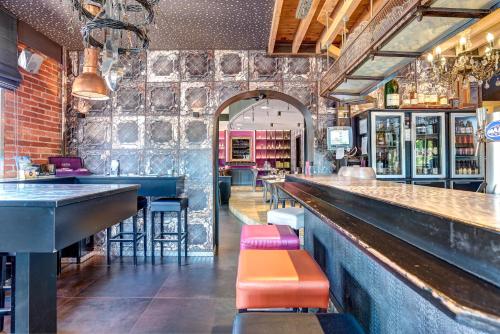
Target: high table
(36,221)
(404,258)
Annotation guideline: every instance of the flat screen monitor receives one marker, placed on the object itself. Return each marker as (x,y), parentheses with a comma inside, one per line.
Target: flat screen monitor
(338,137)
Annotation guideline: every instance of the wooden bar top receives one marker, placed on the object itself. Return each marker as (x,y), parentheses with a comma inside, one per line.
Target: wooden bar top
(480,210)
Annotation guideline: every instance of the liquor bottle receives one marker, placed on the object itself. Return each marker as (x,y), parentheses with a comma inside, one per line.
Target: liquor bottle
(391,95)
(435,169)
(469,168)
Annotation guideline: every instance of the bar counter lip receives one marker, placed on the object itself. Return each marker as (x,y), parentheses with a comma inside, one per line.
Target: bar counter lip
(493,224)
(469,309)
(57,195)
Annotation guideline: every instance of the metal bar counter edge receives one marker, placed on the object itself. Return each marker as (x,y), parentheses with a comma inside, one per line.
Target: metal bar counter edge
(451,263)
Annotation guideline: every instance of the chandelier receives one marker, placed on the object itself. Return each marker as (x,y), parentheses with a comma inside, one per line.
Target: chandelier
(467,65)
(115,27)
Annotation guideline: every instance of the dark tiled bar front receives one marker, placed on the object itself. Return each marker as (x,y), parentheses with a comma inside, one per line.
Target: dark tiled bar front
(266,166)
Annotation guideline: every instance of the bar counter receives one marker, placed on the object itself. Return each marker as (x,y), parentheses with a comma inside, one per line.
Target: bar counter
(39,219)
(405,258)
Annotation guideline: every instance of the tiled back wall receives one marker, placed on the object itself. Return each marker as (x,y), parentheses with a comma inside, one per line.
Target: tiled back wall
(149,126)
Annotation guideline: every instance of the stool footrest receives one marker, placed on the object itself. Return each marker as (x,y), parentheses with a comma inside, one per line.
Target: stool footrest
(117,238)
(183,236)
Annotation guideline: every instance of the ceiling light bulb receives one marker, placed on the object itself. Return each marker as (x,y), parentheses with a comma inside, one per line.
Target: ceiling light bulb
(463,41)
(430,57)
(438,50)
(489,37)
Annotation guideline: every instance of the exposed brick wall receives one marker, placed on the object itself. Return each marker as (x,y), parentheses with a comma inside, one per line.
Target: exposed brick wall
(34,129)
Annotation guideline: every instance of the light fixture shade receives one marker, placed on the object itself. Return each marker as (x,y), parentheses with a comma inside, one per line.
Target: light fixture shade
(90,85)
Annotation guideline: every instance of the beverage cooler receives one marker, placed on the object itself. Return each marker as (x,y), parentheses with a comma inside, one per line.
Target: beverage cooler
(428,142)
(466,169)
(425,147)
(387,143)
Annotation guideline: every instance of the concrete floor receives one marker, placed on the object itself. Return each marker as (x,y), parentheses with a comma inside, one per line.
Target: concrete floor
(248,205)
(198,297)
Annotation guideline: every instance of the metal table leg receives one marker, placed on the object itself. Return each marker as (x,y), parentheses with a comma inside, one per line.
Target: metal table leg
(36,294)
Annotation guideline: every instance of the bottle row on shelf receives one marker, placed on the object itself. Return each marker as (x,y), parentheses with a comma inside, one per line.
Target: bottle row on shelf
(467,167)
(277,156)
(464,139)
(279,147)
(464,127)
(465,151)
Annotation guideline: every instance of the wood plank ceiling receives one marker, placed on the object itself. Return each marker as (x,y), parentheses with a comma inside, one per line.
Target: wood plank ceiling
(313,34)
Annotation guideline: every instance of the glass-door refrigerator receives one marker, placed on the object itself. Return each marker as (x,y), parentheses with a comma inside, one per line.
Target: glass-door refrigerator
(428,145)
(464,164)
(387,144)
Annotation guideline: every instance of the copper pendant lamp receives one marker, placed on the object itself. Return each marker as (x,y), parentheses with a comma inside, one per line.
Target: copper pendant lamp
(89,84)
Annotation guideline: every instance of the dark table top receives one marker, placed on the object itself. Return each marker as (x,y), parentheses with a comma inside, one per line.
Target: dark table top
(56,195)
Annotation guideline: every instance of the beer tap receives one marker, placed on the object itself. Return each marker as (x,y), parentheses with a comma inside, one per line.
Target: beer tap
(481,142)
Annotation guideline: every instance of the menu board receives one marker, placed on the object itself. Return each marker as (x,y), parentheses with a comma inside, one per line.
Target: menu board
(241,148)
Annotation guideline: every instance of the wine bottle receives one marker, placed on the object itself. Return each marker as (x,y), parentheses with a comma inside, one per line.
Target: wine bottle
(391,94)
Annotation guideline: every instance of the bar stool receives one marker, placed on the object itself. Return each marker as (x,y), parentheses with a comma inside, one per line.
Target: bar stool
(165,205)
(136,236)
(276,279)
(293,217)
(7,259)
(296,323)
(268,237)
(279,196)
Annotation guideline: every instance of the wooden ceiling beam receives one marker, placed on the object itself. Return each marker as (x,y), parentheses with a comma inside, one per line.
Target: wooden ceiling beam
(278,4)
(346,10)
(304,26)
(326,11)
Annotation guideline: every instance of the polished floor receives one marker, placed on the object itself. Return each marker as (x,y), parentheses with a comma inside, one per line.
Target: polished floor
(248,205)
(198,297)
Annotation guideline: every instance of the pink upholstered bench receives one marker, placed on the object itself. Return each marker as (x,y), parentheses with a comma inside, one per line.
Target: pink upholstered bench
(268,237)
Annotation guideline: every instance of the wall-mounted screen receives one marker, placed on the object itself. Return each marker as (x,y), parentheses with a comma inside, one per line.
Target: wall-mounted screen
(339,136)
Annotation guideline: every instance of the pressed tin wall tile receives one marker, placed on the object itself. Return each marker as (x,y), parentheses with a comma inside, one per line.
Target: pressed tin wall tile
(196,97)
(95,133)
(131,161)
(231,65)
(163,66)
(161,132)
(163,99)
(160,162)
(263,67)
(305,92)
(135,67)
(299,69)
(226,90)
(195,132)
(96,161)
(129,99)
(128,132)
(99,108)
(196,164)
(197,65)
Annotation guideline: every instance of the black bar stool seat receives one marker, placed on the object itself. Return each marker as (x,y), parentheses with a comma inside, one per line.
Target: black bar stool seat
(167,205)
(132,237)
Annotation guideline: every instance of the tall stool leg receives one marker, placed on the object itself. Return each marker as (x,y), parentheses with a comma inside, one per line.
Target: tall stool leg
(153,237)
(179,235)
(121,237)
(108,245)
(145,229)
(3,273)
(186,233)
(162,230)
(134,238)
(13,294)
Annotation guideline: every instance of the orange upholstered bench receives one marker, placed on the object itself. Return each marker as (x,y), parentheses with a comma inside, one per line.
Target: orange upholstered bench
(280,279)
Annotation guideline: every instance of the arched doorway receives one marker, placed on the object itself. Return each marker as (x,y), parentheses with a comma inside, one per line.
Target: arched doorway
(256,95)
